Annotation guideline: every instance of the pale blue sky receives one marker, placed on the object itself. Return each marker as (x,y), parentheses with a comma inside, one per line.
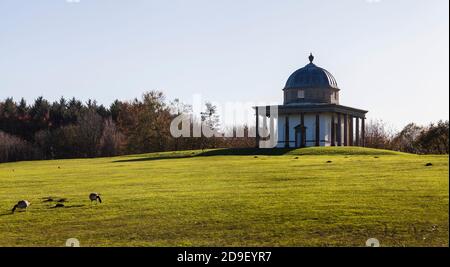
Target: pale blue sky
(390,57)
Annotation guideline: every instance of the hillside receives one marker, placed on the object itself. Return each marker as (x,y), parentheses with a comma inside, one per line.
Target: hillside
(302,197)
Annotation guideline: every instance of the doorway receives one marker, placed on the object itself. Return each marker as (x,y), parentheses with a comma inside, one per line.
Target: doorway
(300,136)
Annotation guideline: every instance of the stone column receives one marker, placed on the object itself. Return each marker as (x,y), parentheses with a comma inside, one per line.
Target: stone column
(302,122)
(272,128)
(333,134)
(345,130)
(264,126)
(350,132)
(257,129)
(363,131)
(357,132)
(286,133)
(317,130)
(339,130)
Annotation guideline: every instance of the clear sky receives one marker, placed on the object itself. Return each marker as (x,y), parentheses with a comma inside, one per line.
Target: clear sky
(390,57)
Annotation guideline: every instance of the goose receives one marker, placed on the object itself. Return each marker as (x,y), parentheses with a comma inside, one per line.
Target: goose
(23,204)
(95,197)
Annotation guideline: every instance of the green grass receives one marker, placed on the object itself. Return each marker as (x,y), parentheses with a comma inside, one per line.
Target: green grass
(231,198)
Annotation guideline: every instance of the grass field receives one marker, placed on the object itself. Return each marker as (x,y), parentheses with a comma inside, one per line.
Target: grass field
(230,198)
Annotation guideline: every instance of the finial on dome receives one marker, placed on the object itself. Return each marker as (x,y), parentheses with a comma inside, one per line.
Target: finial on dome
(311,57)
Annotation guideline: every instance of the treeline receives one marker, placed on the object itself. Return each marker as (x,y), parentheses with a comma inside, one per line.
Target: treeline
(431,139)
(73,129)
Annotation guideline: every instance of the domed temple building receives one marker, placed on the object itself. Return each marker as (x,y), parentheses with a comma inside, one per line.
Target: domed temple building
(311,114)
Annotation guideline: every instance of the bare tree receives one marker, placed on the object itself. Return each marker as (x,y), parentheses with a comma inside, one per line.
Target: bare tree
(13,148)
(378,135)
(90,127)
(111,140)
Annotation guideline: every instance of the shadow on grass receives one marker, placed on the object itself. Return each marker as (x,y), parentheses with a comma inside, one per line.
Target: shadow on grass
(247,152)
(216,152)
(156,158)
(67,207)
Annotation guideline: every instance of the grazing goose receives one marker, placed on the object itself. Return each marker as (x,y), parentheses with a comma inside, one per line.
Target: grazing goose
(95,197)
(23,204)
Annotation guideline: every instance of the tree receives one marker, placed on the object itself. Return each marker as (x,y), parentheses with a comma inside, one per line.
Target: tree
(377,135)
(22,110)
(13,148)
(58,113)
(210,124)
(90,127)
(40,114)
(178,108)
(114,109)
(146,123)
(8,116)
(406,140)
(111,140)
(74,110)
(434,139)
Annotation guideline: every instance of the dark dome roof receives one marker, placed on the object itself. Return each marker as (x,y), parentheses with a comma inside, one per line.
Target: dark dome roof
(311,76)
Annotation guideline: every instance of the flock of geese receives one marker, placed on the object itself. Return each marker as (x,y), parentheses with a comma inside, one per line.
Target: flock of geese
(24,204)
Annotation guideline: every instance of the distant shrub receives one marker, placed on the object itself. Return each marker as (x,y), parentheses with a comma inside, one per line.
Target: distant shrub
(434,139)
(431,139)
